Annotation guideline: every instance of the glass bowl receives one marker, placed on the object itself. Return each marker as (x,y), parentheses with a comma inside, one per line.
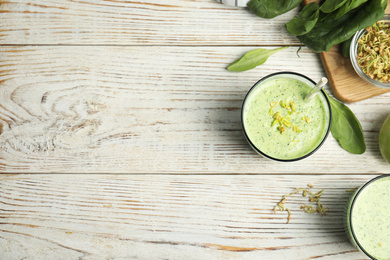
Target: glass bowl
(277,122)
(367,218)
(353,57)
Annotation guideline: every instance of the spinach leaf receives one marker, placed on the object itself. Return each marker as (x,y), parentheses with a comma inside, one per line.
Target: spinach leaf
(272,8)
(333,30)
(307,20)
(346,128)
(348,6)
(384,4)
(345,47)
(331,5)
(253,58)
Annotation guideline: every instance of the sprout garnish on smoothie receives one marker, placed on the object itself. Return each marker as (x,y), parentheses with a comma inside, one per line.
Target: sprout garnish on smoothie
(283,118)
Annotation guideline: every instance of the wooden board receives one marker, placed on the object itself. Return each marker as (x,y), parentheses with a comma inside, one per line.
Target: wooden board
(346,85)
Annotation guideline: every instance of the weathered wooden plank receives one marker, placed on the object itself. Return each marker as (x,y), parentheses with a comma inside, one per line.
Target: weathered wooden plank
(171,217)
(150,110)
(142,22)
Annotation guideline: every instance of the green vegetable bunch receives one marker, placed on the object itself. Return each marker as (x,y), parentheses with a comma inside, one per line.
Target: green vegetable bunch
(320,27)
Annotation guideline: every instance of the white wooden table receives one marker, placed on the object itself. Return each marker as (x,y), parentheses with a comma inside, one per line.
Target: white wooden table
(121,137)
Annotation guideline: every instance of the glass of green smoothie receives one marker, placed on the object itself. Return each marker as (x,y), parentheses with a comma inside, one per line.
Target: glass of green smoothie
(367,218)
(279,124)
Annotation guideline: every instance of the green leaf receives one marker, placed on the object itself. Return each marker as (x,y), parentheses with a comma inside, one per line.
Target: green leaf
(346,128)
(306,21)
(253,58)
(331,5)
(384,4)
(272,8)
(345,47)
(348,6)
(331,30)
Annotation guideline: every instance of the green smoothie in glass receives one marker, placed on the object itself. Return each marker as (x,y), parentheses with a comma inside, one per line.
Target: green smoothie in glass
(279,124)
(368,218)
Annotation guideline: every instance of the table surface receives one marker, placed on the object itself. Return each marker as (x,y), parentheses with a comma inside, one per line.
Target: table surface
(120,137)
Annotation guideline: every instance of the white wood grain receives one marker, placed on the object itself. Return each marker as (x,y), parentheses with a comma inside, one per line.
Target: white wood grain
(142,22)
(171,217)
(150,110)
(139,87)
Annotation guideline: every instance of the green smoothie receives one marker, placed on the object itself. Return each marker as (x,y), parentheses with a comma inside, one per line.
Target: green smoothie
(369,218)
(279,123)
